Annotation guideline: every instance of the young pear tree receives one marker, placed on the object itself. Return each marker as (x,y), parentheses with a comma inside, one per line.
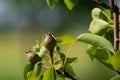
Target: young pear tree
(48,62)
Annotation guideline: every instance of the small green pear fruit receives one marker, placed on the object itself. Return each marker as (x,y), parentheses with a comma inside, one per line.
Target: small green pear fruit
(33,57)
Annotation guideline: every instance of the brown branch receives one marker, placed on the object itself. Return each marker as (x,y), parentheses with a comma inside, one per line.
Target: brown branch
(114,8)
(116,28)
(112,5)
(101,4)
(118,40)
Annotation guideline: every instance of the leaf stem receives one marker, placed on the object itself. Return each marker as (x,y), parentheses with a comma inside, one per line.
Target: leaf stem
(78,58)
(68,51)
(45,67)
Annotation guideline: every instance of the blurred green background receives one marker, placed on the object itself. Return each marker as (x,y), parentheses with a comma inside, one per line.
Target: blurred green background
(24,21)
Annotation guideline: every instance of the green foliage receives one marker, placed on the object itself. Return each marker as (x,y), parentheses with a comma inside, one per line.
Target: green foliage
(71,60)
(28,68)
(96,41)
(51,3)
(98,26)
(70,3)
(101,21)
(104,15)
(36,47)
(58,65)
(102,55)
(50,74)
(97,13)
(70,70)
(66,39)
(42,51)
(110,36)
(62,57)
(116,61)
(108,16)
(101,39)
(116,78)
(35,73)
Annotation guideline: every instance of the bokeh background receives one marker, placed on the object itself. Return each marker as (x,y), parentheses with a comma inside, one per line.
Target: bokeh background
(24,21)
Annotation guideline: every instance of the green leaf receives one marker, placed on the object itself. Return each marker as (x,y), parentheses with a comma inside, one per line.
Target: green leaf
(91,51)
(58,65)
(40,77)
(59,40)
(51,3)
(108,15)
(91,57)
(98,26)
(62,57)
(105,15)
(28,68)
(96,41)
(96,13)
(37,69)
(70,70)
(116,78)
(36,47)
(36,72)
(116,60)
(67,39)
(70,60)
(42,52)
(107,12)
(101,55)
(50,74)
(110,36)
(57,48)
(70,3)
